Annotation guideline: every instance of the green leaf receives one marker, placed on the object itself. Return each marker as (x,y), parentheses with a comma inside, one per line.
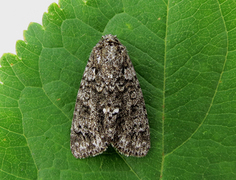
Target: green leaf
(185,58)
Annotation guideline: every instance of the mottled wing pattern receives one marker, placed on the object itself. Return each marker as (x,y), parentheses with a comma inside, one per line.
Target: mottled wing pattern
(87,131)
(110,108)
(132,136)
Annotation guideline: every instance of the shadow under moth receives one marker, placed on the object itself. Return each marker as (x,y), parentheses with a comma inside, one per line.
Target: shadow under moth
(109,108)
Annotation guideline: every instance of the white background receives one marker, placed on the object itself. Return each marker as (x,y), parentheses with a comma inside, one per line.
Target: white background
(15,17)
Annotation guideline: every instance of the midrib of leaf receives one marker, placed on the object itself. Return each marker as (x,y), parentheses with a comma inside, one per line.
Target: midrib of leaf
(163,94)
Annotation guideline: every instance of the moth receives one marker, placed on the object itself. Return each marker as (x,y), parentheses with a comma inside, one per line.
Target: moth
(109,108)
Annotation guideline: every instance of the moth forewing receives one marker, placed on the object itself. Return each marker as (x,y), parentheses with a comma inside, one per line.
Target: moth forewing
(110,108)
